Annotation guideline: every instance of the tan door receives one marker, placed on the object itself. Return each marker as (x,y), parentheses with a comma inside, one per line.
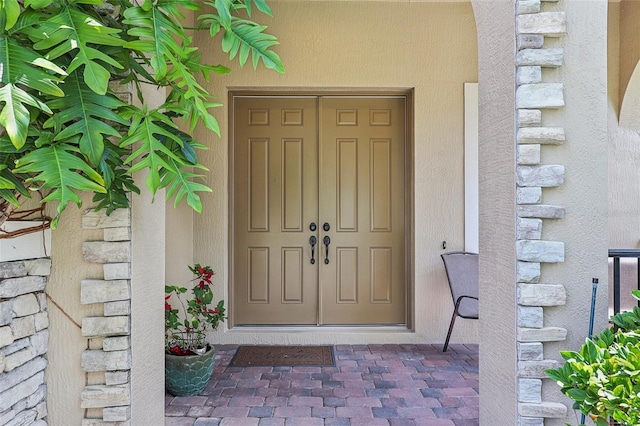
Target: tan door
(275,200)
(297,164)
(362,198)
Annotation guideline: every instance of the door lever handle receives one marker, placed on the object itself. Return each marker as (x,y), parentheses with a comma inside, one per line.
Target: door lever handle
(326,240)
(313,241)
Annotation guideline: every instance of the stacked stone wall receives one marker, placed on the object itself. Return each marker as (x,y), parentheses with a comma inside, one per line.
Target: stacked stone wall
(536,29)
(108,360)
(24,339)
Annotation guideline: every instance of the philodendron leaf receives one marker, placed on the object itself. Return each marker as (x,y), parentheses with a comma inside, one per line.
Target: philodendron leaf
(152,152)
(182,183)
(157,32)
(87,114)
(74,32)
(24,77)
(62,170)
(242,37)
(11,11)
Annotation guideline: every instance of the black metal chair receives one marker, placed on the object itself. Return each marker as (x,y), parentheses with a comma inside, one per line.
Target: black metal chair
(462,274)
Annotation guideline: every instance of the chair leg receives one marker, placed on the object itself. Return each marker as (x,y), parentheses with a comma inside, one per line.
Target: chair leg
(453,320)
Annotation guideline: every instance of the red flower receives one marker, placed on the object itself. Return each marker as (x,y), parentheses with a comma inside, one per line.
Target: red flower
(167,297)
(198,300)
(167,307)
(213,311)
(201,285)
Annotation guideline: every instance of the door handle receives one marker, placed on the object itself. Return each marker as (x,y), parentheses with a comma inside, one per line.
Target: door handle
(326,226)
(313,241)
(326,240)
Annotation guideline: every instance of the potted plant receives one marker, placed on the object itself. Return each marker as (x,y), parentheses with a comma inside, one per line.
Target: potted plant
(189,358)
(603,377)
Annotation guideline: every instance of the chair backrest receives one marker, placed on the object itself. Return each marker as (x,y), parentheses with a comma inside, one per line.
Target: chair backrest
(462,274)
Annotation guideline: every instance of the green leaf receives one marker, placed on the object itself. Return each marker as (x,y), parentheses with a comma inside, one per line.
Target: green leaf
(247,38)
(11,11)
(577,395)
(61,169)
(152,153)
(23,78)
(224,11)
(14,184)
(156,31)
(180,183)
(37,4)
(84,113)
(74,32)
(188,98)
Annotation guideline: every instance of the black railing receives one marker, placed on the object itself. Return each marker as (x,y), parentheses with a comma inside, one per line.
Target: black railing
(616,255)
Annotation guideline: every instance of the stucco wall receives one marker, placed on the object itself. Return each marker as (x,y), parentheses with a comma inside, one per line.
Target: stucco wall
(147,318)
(496,83)
(65,379)
(584,193)
(429,46)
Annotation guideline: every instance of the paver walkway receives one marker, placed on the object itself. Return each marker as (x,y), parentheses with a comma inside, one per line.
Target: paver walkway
(370,385)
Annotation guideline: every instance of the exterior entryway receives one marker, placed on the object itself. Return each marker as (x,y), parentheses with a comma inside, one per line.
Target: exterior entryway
(319,210)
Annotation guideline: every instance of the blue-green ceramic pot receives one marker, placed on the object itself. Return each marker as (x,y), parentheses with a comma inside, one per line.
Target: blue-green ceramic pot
(188,375)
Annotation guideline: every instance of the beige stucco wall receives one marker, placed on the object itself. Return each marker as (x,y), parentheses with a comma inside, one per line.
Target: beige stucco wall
(427,46)
(584,193)
(147,317)
(496,77)
(64,377)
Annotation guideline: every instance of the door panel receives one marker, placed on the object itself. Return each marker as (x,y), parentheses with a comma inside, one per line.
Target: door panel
(275,199)
(362,142)
(329,159)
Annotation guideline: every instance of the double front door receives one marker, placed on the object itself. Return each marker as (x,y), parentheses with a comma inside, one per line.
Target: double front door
(318,210)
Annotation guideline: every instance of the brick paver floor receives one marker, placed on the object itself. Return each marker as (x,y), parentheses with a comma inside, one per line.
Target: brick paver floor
(397,385)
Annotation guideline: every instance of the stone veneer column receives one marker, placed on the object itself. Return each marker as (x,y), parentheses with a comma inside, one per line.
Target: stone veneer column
(24,339)
(533,96)
(109,333)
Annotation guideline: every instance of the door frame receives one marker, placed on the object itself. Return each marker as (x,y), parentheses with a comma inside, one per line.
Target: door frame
(409,261)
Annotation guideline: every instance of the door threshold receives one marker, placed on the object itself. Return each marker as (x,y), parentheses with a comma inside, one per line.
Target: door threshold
(321,328)
(314,335)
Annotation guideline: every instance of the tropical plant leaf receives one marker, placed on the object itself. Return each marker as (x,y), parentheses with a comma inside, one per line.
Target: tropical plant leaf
(180,183)
(67,143)
(11,185)
(157,33)
(5,183)
(60,169)
(71,30)
(87,114)
(37,4)
(117,181)
(260,4)
(10,11)
(24,74)
(150,132)
(188,98)
(243,37)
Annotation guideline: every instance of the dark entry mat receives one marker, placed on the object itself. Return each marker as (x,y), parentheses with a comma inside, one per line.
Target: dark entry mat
(249,356)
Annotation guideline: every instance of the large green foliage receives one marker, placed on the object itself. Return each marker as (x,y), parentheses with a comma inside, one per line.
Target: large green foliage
(63,128)
(603,377)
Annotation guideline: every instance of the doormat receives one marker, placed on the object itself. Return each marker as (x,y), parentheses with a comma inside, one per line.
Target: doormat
(249,356)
